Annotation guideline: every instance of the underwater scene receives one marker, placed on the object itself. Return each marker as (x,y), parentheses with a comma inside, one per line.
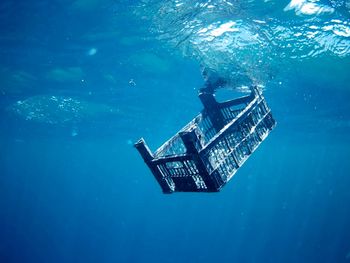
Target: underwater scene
(81,81)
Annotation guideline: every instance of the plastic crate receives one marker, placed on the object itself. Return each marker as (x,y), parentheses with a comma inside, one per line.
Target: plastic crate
(205,154)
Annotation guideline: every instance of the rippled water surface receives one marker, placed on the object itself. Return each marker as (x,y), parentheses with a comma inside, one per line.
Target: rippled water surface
(248,41)
(82,80)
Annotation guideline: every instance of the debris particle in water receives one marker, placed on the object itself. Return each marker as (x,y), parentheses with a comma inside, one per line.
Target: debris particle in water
(92,51)
(132,82)
(74,132)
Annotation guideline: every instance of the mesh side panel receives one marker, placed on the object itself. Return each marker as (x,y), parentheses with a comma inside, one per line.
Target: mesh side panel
(206,129)
(183,175)
(231,112)
(229,151)
(174,146)
(180,168)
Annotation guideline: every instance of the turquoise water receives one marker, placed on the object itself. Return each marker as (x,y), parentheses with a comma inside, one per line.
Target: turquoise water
(81,81)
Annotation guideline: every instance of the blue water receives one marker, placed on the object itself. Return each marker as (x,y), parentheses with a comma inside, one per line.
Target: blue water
(81,81)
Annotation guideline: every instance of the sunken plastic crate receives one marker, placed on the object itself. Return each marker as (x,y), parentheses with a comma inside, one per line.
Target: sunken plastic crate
(205,154)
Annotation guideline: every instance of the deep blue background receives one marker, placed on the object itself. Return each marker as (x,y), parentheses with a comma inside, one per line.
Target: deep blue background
(90,198)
